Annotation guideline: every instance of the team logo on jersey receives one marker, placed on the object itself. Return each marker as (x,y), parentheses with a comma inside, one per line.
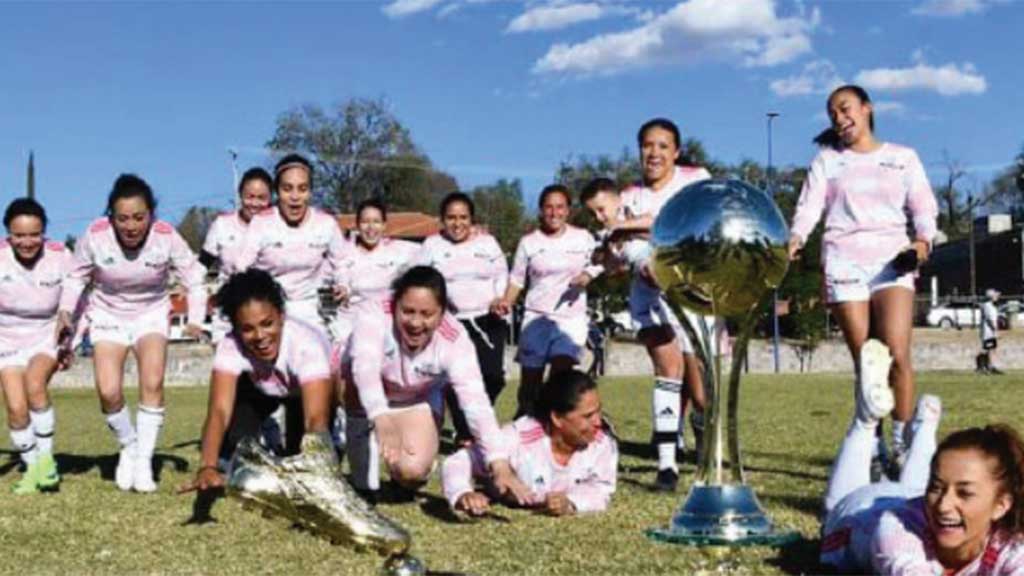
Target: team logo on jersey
(49,282)
(539,481)
(107,261)
(891,165)
(429,370)
(7,278)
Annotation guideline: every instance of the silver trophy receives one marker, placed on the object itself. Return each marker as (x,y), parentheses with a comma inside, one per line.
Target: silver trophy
(719,250)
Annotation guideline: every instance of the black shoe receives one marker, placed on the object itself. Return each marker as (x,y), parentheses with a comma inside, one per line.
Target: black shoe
(666,480)
(996,371)
(878,469)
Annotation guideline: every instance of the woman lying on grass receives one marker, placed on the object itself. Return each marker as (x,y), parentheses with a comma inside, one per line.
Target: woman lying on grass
(562,453)
(267,360)
(964,517)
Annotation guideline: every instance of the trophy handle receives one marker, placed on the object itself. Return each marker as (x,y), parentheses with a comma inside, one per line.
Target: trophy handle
(739,352)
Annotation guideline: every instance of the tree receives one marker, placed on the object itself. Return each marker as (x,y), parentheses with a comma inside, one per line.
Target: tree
(361,150)
(950,197)
(499,206)
(195,224)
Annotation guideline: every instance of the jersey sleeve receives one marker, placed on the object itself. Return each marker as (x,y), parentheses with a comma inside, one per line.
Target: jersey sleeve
(498,267)
(812,199)
(250,251)
(338,250)
(459,473)
(921,201)
(519,263)
(897,550)
(366,348)
(191,273)
(211,244)
(228,358)
(594,493)
(80,273)
(464,376)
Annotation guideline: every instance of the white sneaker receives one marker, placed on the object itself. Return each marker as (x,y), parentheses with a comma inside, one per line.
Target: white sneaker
(929,408)
(124,475)
(143,481)
(875,399)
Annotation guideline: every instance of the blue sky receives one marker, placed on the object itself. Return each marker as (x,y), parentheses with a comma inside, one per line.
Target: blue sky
(488,89)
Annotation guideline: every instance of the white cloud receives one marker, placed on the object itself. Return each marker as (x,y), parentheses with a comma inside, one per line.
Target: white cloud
(949,7)
(748,32)
(889,107)
(555,17)
(948,80)
(817,77)
(401,8)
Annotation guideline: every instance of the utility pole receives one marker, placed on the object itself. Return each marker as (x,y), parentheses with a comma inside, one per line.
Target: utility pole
(775,293)
(30,186)
(234,172)
(970,241)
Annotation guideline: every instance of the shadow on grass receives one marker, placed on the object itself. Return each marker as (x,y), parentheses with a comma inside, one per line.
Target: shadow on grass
(824,462)
(810,505)
(800,557)
(197,443)
(202,506)
(76,464)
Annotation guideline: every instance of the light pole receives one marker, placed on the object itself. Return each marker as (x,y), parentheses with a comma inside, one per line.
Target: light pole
(234,172)
(775,293)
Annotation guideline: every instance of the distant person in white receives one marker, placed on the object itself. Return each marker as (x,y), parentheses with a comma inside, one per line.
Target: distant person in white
(989,329)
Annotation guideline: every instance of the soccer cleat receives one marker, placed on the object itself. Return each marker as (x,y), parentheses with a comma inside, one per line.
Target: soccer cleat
(874,399)
(47,477)
(929,408)
(28,483)
(124,475)
(666,480)
(143,477)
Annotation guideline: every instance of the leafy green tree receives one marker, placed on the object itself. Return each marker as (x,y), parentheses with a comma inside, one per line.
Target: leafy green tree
(195,224)
(499,206)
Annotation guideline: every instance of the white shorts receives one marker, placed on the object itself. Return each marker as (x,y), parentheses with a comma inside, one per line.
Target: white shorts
(847,531)
(647,309)
(309,312)
(16,352)
(847,281)
(107,327)
(543,338)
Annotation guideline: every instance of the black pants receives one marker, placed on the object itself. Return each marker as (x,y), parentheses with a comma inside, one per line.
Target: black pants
(252,408)
(488,335)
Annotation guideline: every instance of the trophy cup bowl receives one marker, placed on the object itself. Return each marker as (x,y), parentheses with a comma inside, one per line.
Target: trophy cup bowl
(719,250)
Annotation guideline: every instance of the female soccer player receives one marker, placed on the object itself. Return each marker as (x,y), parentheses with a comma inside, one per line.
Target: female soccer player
(300,246)
(667,345)
(267,359)
(955,510)
(129,257)
(32,274)
(866,189)
(373,264)
(399,360)
(476,274)
(226,237)
(562,454)
(555,260)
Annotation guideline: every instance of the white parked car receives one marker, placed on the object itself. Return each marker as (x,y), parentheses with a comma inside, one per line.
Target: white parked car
(955,315)
(177,329)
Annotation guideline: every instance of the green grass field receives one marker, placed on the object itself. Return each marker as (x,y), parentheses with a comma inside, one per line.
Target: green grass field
(791,427)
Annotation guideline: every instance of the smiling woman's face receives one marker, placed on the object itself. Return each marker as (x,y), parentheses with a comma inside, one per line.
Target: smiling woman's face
(259,325)
(851,117)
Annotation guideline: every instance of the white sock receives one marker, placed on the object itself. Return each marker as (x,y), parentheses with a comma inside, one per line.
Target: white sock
(149,420)
(899,443)
(24,442)
(120,423)
(665,408)
(43,424)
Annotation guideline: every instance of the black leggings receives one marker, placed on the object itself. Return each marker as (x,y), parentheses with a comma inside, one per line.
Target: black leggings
(490,353)
(252,408)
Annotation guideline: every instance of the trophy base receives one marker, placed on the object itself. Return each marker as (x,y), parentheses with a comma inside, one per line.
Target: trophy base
(728,515)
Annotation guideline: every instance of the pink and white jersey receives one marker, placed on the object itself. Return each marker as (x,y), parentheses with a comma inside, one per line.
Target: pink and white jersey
(299,257)
(29,296)
(878,530)
(642,200)
(549,263)
(304,357)
(386,375)
(225,240)
(866,198)
(475,271)
(131,283)
(588,479)
(368,274)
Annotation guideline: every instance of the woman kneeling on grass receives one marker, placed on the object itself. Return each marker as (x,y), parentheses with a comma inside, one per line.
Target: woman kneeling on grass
(400,359)
(964,516)
(562,453)
(268,359)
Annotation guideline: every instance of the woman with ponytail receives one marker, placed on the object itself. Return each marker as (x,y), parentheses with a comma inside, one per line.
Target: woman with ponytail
(957,509)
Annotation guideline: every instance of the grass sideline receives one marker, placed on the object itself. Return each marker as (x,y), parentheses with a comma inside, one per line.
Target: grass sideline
(791,427)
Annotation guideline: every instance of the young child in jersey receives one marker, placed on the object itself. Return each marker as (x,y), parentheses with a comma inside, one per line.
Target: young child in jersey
(562,453)
(957,509)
